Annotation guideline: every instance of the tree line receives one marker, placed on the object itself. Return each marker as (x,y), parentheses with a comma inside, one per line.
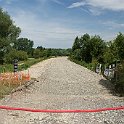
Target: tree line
(89,48)
(13,47)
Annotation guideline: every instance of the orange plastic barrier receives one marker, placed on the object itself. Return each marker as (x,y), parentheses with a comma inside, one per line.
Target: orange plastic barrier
(14,78)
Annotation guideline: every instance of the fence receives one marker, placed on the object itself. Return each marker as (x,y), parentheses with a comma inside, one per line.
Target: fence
(17,78)
(114,73)
(108,72)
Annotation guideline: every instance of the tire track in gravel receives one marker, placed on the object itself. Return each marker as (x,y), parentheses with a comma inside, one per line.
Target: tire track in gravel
(63,85)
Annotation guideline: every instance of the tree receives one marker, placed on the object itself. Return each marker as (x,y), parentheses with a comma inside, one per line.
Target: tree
(37,53)
(86,48)
(76,44)
(40,48)
(98,48)
(24,44)
(77,54)
(8,33)
(110,54)
(119,43)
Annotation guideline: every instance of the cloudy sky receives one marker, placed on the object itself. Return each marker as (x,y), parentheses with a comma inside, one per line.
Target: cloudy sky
(56,23)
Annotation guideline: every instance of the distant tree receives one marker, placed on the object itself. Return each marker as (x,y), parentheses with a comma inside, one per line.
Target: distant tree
(37,53)
(24,44)
(48,52)
(40,48)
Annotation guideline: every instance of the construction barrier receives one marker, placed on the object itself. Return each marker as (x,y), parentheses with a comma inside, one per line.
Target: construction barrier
(61,111)
(14,78)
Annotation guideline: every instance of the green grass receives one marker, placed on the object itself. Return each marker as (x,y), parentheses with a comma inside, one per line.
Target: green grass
(6,68)
(23,65)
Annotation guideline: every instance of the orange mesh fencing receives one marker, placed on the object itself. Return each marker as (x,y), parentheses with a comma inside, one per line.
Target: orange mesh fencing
(17,78)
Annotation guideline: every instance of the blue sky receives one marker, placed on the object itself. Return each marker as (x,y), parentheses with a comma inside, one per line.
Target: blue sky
(56,23)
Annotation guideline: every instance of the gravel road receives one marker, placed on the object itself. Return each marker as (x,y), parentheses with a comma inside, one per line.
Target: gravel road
(63,85)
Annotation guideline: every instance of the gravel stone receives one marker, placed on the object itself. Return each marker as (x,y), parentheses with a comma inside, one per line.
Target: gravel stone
(63,85)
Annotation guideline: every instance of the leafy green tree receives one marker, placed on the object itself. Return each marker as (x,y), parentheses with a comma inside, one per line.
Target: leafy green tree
(8,33)
(98,48)
(48,52)
(90,48)
(76,44)
(77,54)
(37,53)
(40,48)
(119,43)
(110,54)
(24,44)
(86,48)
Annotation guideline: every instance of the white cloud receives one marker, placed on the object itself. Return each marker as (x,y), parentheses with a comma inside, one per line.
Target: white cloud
(77,4)
(54,34)
(113,25)
(8,1)
(95,11)
(58,2)
(55,1)
(115,5)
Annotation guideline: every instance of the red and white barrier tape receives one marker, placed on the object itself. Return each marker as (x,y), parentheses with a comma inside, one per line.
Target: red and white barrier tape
(61,111)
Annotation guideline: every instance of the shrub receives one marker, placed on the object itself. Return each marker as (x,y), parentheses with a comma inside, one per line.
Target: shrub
(37,53)
(14,54)
(22,55)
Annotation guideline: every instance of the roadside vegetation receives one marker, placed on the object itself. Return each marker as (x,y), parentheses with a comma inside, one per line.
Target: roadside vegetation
(89,51)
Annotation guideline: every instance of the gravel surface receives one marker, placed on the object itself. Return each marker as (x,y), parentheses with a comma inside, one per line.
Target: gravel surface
(63,85)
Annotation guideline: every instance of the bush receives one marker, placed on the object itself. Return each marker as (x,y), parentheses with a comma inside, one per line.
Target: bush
(37,53)
(14,54)
(118,79)
(22,55)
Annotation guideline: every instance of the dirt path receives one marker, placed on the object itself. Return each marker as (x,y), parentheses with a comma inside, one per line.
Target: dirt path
(63,85)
